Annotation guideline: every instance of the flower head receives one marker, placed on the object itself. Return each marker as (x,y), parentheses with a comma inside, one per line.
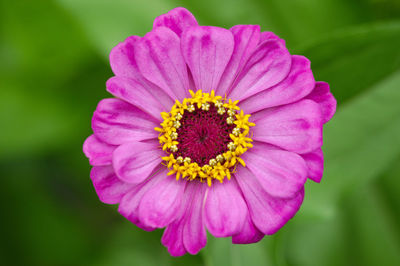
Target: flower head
(211,129)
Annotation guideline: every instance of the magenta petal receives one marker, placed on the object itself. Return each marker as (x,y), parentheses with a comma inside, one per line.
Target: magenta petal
(160,205)
(173,238)
(298,83)
(295,127)
(98,152)
(194,232)
(315,164)
(173,233)
(122,59)
(207,51)
(281,173)
(269,214)
(269,35)
(224,210)
(135,161)
(187,232)
(108,187)
(117,122)
(323,96)
(177,19)
(160,61)
(266,67)
(249,234)
(246,39)
(135,93)
(123,64)
(129,205)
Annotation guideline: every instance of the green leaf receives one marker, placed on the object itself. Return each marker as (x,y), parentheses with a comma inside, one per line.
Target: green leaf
(353,60)
(389,185)
(316,242)
(364,135)
(364,231)
(375,236)
(360,142)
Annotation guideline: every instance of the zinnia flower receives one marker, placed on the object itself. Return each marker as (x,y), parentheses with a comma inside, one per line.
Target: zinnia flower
(211,129)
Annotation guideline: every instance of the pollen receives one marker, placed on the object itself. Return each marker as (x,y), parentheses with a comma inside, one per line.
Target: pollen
(230,120)
(231,112)
(218,104)
(204,137)
(177,124)
(236,131)
(191,108)
(219,158)
(173,148)
(174,135)
(205,106)
(231,146)
(221,110)
(179,159)
(213,162)
(178,116)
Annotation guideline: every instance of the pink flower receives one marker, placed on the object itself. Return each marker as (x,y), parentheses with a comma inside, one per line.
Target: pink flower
(211,129)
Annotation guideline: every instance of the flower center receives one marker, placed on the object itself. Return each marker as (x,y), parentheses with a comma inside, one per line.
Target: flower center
(204,137)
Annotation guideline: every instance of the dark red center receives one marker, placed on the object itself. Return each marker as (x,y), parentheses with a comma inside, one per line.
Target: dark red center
(203,135)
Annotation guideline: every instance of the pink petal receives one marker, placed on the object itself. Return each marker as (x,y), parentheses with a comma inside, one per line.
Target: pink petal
(246,39)
(122,59)
(129,205)
(194,233)
(266,67)
(269,214)
(323,96)
(315,164)
(225,210)
(269,35)
(116,122)
(187,232)
(295,127)
(298,83)
(123,64)
(173,233)
(160,61)
(135,161)
(281,173)
(173,238)
(135,93)
(161,203)
(177,19)
(249,234)
(108,187)
(98,152)
(207,51)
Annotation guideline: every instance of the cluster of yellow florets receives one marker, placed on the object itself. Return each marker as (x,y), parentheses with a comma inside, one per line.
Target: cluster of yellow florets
(223,164)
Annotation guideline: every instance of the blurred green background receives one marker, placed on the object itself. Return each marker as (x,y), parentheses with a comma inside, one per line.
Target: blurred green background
(53,68)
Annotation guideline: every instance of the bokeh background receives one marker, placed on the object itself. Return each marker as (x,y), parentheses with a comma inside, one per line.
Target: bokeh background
(53,68)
